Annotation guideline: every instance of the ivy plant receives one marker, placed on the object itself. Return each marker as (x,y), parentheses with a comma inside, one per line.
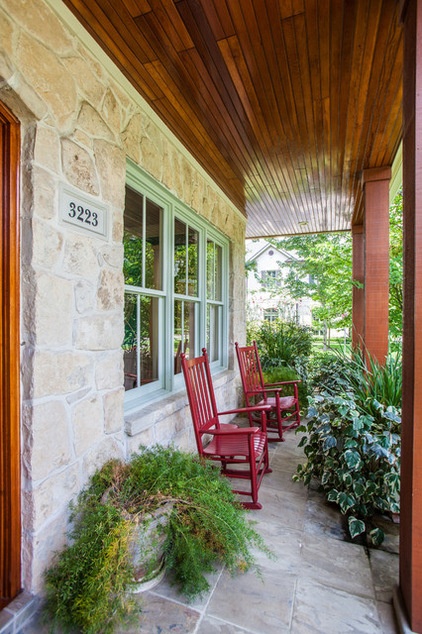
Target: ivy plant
(355,456)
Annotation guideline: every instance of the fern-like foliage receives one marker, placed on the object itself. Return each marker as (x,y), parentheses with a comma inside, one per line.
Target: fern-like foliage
(87,587)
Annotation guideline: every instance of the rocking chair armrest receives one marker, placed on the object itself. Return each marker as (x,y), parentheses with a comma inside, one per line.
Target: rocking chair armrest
(240,430)
(292,382)
(271,390)
(247,410)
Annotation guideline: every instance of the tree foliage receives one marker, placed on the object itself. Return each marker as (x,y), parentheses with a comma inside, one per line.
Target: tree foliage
(323,273)
(396,266)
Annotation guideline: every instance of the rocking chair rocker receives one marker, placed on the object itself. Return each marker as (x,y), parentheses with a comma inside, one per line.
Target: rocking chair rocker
(284,409)
(242,452)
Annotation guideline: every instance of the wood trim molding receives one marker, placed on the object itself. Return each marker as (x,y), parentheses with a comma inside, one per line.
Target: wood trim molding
(10,483)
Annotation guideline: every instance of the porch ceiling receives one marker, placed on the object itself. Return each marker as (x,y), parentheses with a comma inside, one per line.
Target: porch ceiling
(283,102)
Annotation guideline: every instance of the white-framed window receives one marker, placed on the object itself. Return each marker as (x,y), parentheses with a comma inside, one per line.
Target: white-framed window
(176,288)
(271,314)
(271,280)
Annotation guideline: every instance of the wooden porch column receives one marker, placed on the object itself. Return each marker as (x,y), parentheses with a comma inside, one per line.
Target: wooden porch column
(376,246)
(410,590)
(358,296)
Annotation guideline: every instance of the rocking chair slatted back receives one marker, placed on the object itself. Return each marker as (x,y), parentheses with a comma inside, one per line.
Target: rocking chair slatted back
(201,396)
(284,408)
(241,452)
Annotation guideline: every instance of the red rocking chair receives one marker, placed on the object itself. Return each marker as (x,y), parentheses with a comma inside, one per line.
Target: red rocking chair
(284,409)
(241,451)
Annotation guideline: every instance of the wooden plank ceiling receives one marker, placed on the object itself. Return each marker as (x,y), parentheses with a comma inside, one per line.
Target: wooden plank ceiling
(283,102)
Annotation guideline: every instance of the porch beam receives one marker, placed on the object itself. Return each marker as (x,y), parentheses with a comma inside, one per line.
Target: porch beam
(410,590)
(376,183)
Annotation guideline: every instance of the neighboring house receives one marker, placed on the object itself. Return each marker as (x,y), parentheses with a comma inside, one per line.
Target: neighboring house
(266,295)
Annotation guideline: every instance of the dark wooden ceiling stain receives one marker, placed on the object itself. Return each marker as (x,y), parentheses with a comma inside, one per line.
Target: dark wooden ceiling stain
(282,102)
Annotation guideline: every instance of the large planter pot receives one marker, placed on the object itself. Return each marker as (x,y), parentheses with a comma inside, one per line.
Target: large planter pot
(147,549)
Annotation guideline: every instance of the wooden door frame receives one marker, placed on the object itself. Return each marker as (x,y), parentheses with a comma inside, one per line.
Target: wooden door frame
(10,477)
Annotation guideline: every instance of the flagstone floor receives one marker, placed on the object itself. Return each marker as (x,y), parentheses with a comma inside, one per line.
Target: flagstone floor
(318,583)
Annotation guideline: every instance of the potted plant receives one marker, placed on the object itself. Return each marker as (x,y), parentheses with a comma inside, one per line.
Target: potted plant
(111,544)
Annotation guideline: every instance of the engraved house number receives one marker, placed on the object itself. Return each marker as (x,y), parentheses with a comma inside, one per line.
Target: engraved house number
(83,212)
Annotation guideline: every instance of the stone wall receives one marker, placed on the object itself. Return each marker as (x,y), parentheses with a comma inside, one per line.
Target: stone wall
(79,124)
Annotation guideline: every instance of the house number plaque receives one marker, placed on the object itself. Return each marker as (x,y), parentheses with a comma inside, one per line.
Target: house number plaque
(82,211)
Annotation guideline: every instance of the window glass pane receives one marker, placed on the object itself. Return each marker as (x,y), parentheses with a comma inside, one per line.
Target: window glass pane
(214,271)
(179,257)
(140,340)
(193,263)
(132,240)
(184,331)
(185,259)
(142,241)
(153,245)
(213,339)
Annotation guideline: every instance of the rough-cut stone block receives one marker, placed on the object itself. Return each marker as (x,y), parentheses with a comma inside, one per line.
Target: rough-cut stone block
(53,318)
(85,296)
(109,369)
(45,194)
(37,18)
(111,166)
(48,540)
(46,446)
(80,257)
(113,411)
(53,495)
(110,447)
(47,244)
(99,332)
(111,290)
(45,73)
(79,167)
(47,149)
(87,424)
(58,373)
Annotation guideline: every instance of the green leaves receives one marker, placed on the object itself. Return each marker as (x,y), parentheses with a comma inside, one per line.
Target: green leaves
(356,527)
(354,454)
(352,459)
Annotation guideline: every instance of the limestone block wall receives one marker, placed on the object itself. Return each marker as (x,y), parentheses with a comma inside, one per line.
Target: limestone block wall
(80,122)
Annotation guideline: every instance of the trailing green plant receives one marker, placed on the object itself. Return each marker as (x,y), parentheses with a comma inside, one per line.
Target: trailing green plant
(355,456)
(87,587)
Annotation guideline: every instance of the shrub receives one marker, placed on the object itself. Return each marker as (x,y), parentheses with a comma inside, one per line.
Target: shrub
(371,382)
(275,375)
(355,456)
(87,586)
(281,343)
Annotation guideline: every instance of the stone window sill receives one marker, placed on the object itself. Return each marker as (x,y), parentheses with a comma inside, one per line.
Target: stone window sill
(140,416)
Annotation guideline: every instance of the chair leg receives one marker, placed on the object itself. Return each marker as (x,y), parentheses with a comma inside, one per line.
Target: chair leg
(256,506)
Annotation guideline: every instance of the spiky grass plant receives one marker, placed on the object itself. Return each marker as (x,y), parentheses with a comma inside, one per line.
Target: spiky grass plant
(87,587)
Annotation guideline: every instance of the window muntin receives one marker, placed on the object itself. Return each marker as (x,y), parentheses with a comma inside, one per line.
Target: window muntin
(175,268)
